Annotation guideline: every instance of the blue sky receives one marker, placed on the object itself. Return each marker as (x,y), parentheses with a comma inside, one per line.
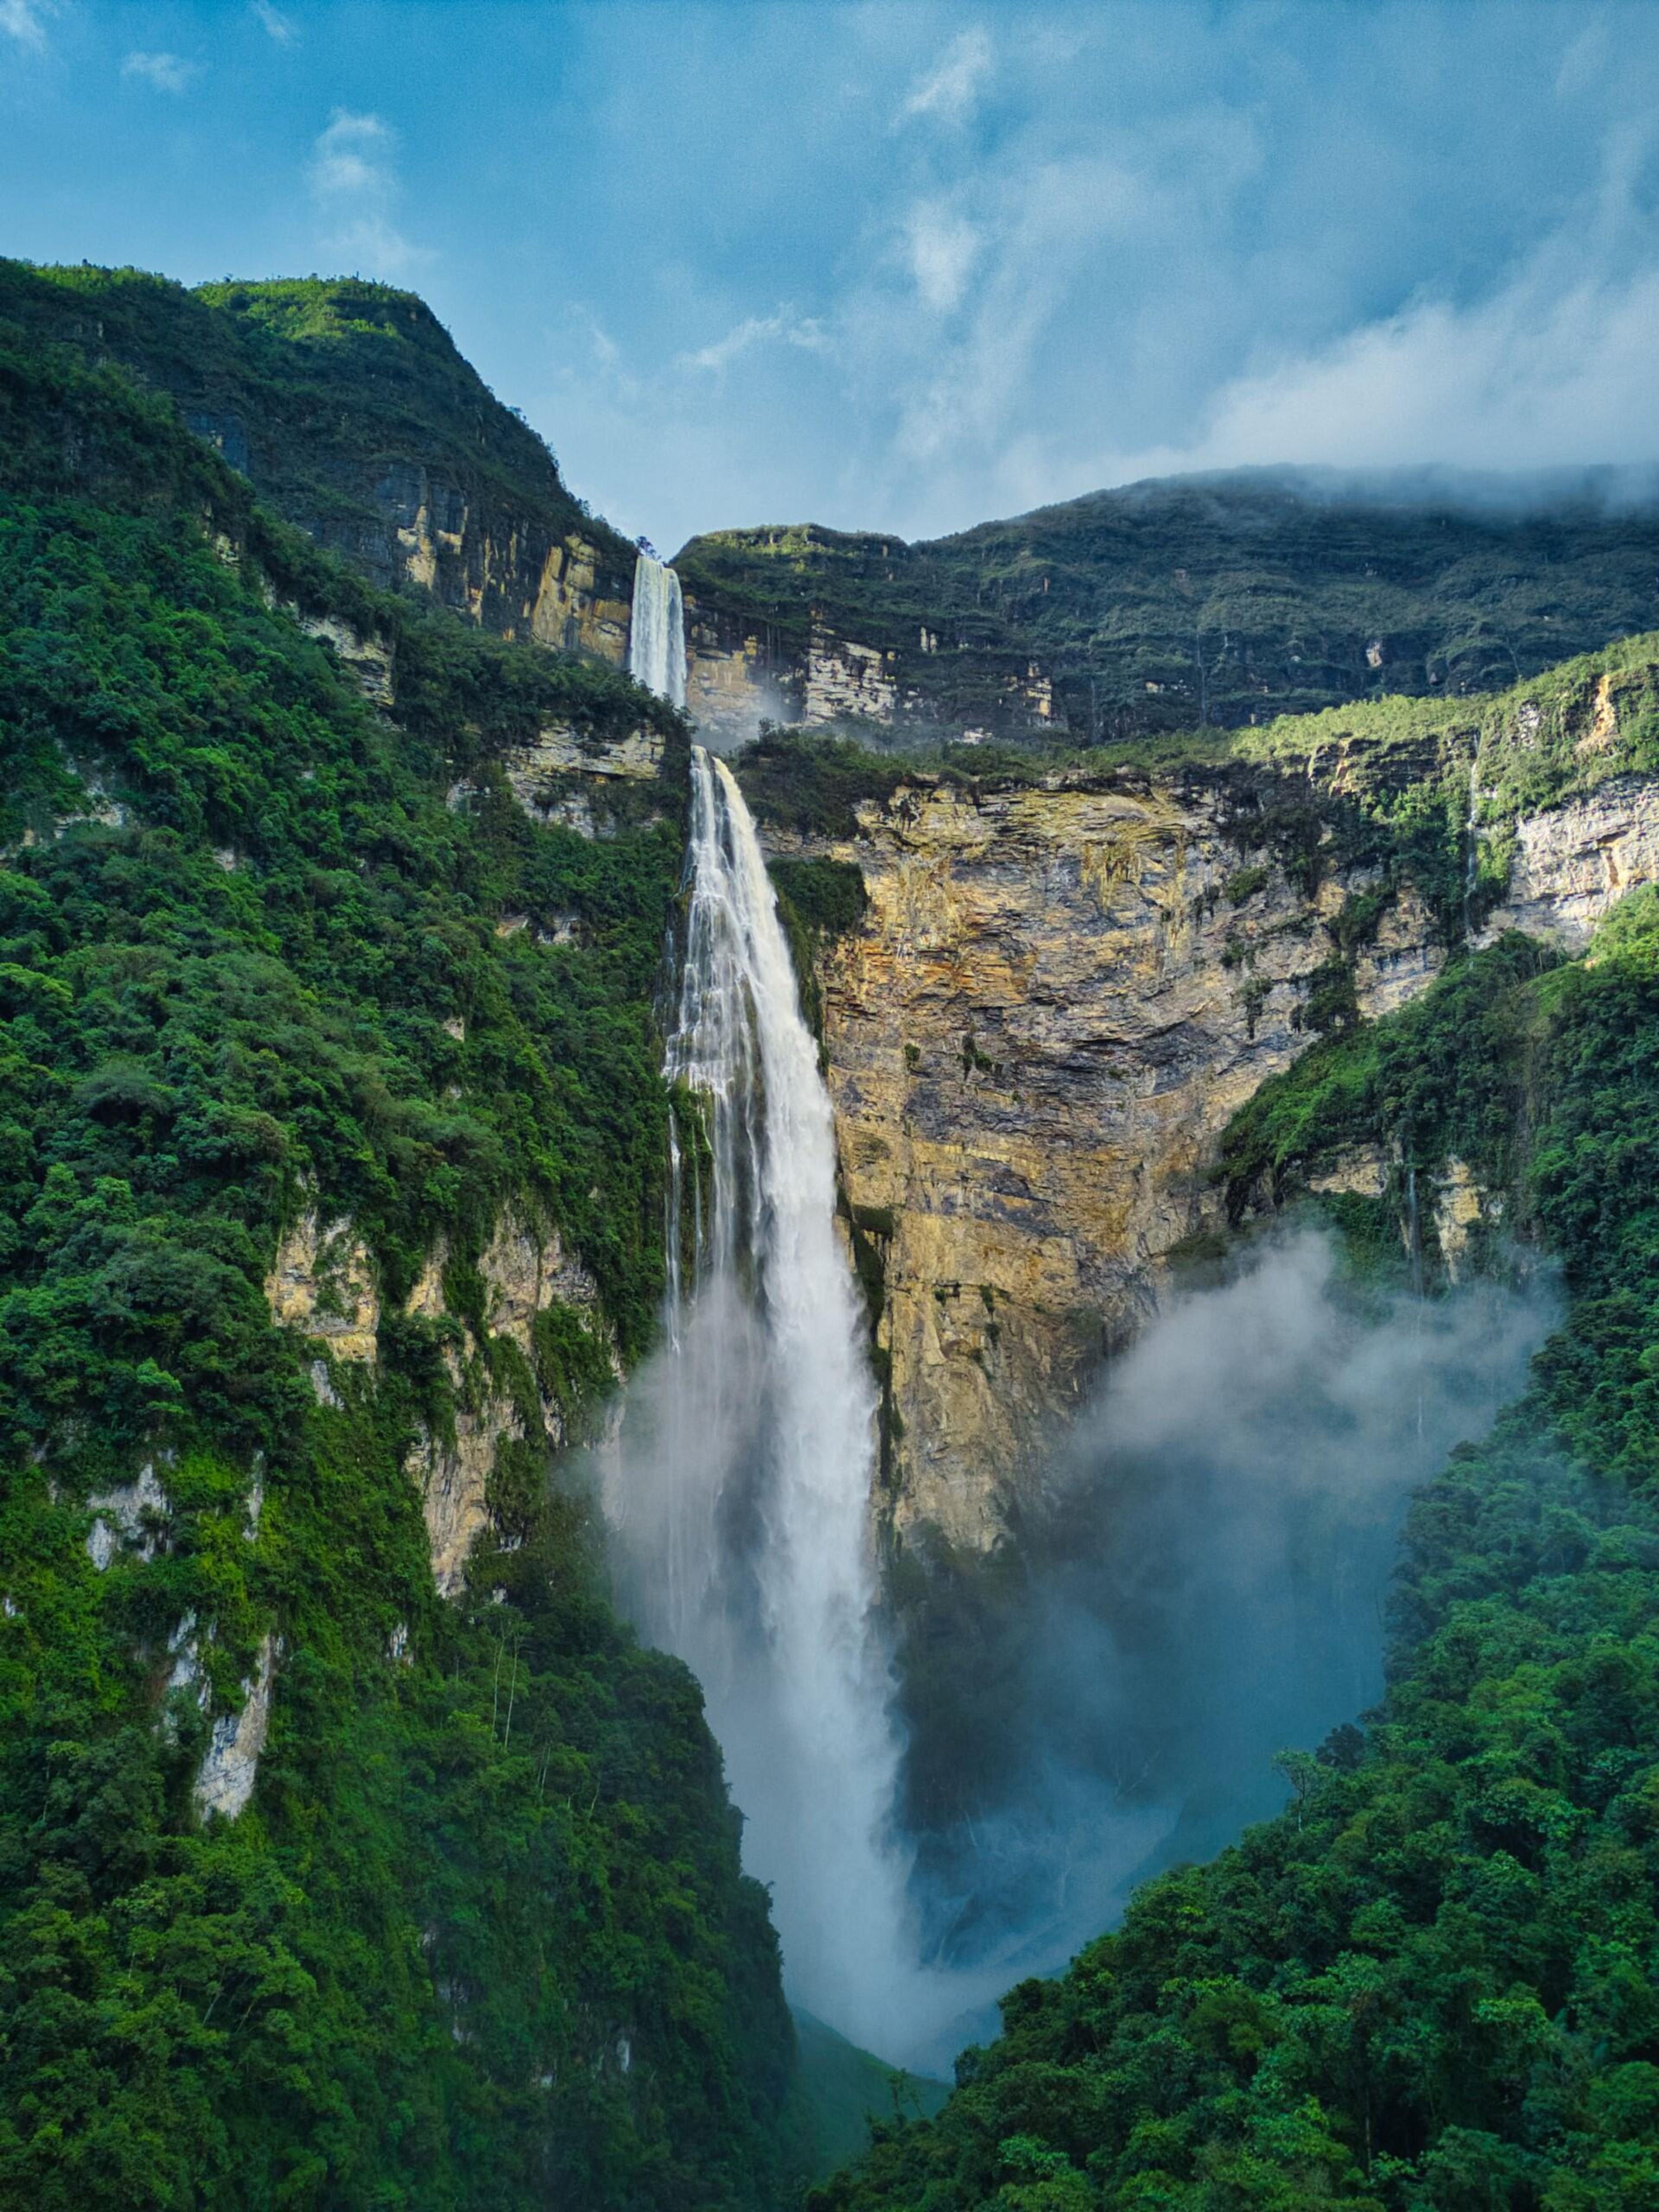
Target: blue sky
(906,265)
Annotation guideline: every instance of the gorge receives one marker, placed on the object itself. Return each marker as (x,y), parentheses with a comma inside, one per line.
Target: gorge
(975,1243)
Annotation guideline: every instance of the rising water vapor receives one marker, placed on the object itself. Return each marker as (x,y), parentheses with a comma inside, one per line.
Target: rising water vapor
(1205,1584)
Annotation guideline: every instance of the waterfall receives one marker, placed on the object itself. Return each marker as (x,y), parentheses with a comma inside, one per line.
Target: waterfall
(656,630)
(739,1490)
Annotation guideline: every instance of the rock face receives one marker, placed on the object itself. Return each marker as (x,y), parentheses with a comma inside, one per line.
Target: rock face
(225,1781)
(741,672)
(322,1283)
(524,1272)
(736,677)
(1055,1001)
(536,773)
(1574,863)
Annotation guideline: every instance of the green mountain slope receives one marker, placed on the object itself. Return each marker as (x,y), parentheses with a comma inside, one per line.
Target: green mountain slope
(1431,1985)
(1227,599)
(348,407)
(269,947)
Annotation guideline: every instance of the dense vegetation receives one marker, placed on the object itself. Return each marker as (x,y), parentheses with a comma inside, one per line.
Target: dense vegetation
(1226,601)
(1432,1983)
(481,1938)
(347,405)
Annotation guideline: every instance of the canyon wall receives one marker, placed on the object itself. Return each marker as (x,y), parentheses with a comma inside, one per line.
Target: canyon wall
(1056,998)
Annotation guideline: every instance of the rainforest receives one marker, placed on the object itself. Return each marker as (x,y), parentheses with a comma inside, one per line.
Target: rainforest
(828,1370)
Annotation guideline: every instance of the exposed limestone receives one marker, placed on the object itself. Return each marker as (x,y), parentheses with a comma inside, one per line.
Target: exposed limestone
(537,772)
(524,1272)
(1034,1038)
(739,674)
(1460,1208)
(1049,1012)
(1571,865)
(225,1781)
(573,612)
(323,1284)
(735,678)
(129,1514)
(368,660)
(848,681)
(1359,1171)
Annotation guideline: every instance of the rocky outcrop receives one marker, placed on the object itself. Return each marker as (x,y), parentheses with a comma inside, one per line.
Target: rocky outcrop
(133,1514)
(524,1272)
(1057,999)
(367,659)
(742,672)
(538,774)
(322,1283)
(230,1766)
(1573,864)
(582,602)
(736,677)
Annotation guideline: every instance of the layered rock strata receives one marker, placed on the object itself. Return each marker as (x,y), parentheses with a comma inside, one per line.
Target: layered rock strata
(1057,999)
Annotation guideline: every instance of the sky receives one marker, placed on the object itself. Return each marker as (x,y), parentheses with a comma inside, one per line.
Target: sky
(906,266)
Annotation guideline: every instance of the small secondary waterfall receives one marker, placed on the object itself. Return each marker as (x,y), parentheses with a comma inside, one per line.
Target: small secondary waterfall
(656,630)
(740,1489)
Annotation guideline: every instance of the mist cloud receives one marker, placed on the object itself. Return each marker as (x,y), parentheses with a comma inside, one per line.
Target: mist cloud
(1204,1585)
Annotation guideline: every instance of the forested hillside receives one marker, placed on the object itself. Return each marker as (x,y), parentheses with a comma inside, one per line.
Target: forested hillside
(348,407)
(1432,1983)
(1168,605)
(273,950)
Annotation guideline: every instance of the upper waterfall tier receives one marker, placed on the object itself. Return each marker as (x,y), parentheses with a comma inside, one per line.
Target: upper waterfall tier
(656,631)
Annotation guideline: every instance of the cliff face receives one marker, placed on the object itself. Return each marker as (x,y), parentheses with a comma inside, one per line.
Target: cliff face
(1057,998)
(742,671)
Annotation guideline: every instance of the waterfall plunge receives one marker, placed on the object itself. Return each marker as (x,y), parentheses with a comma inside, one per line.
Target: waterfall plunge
(656,630)
(741,1486)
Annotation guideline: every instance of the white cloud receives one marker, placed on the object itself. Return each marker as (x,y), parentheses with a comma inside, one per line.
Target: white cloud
(783,327)
(26,21)
(950,87)
(940,248)
(1551,367)
(354,180)
(161,72)
(279,26)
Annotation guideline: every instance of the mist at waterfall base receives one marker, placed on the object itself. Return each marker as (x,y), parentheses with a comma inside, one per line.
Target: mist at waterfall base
(1204,1585)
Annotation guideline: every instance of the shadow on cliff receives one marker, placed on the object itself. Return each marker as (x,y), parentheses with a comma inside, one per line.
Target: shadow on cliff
(1204,1584)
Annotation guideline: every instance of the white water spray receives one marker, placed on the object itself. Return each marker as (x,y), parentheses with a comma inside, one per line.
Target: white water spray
(656,630)
(741,1489)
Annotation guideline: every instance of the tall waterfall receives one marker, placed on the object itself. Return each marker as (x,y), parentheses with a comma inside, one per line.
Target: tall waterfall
(656,630)
(740,1491)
